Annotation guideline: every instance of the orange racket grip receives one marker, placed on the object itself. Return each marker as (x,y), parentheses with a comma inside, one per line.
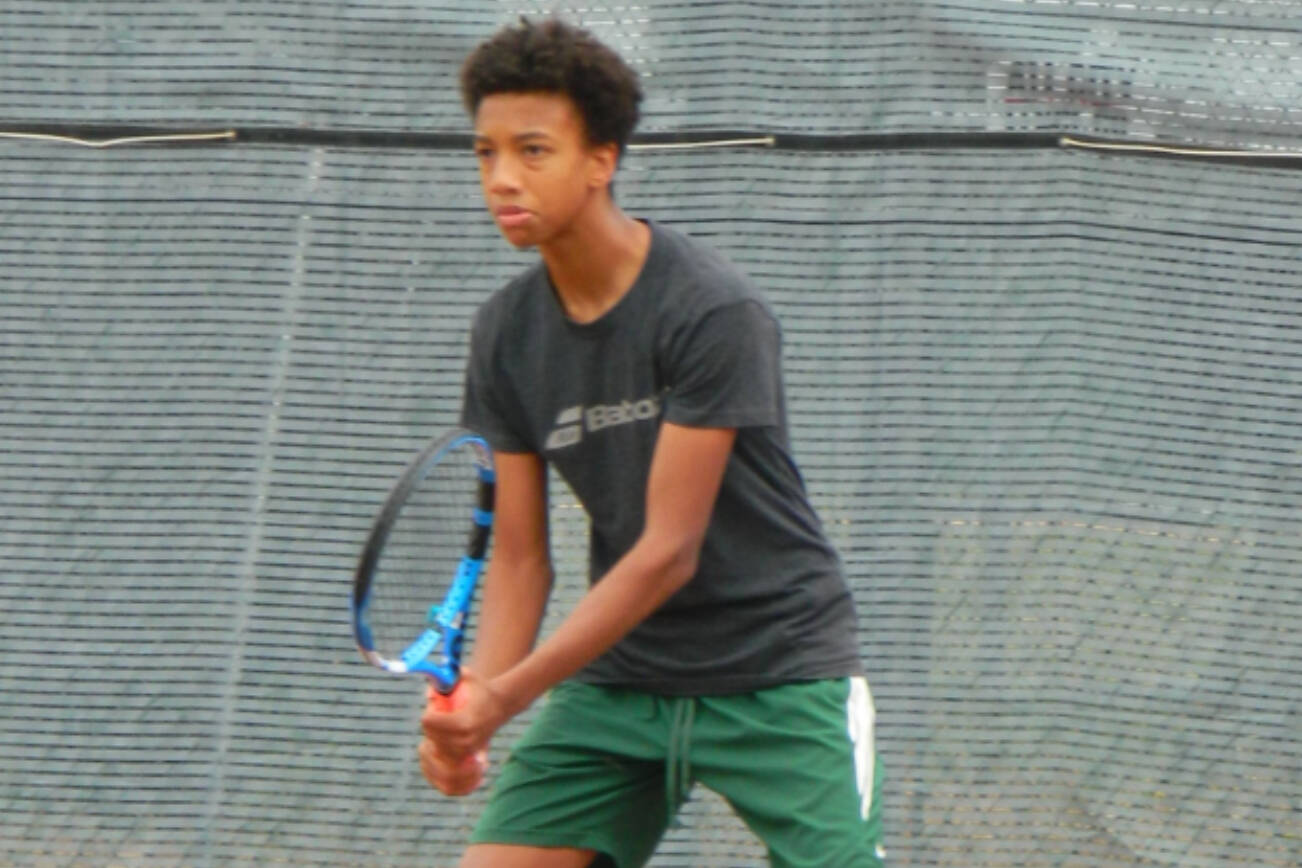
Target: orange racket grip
(447,701)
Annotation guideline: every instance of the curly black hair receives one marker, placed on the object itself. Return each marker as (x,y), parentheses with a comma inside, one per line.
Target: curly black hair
(556,57)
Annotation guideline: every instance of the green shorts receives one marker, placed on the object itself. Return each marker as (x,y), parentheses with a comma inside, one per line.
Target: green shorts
(605,769)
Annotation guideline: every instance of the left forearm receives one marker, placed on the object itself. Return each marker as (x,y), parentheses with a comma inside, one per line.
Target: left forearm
(686,473)
(635,587)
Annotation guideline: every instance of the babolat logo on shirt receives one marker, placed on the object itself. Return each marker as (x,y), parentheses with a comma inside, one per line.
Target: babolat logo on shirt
(573,421)
(569,429)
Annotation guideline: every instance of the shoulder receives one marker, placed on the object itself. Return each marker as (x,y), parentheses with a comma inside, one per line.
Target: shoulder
(704,270)
(699,282)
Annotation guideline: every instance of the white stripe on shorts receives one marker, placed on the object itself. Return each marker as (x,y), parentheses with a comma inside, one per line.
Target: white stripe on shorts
(860,717)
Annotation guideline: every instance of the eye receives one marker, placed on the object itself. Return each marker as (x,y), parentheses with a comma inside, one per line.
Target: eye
(483,152)
(534,150)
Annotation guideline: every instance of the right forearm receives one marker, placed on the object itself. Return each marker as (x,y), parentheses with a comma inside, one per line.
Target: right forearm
(513,601)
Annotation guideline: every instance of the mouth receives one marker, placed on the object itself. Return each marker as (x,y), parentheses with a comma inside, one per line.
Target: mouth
(511,217)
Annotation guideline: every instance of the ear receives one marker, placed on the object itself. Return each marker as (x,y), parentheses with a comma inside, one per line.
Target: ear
(603,160)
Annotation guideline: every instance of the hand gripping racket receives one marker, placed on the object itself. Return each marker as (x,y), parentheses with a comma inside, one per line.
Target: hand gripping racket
(418,545)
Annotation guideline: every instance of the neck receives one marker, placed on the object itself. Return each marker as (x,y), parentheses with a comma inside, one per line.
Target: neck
(596,260)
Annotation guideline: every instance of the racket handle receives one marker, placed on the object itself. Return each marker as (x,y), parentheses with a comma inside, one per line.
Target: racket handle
(447,701)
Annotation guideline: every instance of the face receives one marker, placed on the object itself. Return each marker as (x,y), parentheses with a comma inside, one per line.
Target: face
(538,173)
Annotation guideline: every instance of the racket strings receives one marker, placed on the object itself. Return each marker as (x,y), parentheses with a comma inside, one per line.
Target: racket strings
(425,544)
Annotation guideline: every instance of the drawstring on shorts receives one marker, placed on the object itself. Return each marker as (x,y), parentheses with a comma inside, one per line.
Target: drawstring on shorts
(678,755)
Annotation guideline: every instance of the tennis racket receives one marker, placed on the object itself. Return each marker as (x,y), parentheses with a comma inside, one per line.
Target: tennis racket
(432,533)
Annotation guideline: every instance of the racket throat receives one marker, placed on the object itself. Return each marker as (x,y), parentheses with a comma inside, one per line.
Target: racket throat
(436,654)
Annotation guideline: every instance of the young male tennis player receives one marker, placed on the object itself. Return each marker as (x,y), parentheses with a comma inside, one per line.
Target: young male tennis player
(716,643)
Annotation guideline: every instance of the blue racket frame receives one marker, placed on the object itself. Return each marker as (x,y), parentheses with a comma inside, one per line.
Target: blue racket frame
(436,652)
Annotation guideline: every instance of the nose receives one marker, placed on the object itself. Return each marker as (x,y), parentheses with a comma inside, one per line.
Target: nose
(502,176)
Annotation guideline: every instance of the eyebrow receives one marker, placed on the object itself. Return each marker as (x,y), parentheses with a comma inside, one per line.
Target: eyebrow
(517,138)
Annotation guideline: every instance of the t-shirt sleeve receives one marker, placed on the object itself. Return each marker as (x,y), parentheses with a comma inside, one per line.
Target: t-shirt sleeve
(483,409)
(727,373)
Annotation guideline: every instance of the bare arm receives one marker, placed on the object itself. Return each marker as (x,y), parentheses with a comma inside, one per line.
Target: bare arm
(518,580)
(686,472)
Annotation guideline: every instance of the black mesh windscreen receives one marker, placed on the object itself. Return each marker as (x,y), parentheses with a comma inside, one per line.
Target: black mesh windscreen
(1047,402)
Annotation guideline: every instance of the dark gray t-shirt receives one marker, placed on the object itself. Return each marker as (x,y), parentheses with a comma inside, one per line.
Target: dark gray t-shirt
(691,343)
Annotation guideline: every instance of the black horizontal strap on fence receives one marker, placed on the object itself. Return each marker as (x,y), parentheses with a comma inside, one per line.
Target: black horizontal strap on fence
(129,135)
